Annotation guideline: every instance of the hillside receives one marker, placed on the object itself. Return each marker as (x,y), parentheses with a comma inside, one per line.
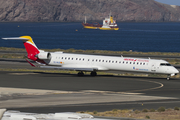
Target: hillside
(76,10)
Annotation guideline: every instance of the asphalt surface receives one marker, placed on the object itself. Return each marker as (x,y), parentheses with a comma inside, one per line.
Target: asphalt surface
(72,93)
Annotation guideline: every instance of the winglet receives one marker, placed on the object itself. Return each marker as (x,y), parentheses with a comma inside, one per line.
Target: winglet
(30,63)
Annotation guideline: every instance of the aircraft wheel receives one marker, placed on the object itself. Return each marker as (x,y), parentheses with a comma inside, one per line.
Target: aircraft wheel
(80,73)
(93,73)
(168,77)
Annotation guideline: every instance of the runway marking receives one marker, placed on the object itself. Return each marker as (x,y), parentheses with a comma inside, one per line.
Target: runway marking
(26,91)
(127,92)
(161,85)
(107,92)
(131,91)
(23,73)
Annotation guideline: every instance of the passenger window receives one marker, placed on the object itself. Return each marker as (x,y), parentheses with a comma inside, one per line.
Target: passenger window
(62,57)
(102,60)
(68,58)
(143,63)
(99,60)
(126,62)
(112,61)
(76,58)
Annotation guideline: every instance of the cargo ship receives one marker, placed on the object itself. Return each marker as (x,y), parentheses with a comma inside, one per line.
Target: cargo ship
(94,25)
(108,24)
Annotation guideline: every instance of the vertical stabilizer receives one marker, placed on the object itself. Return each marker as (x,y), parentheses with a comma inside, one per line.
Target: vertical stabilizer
(31,48)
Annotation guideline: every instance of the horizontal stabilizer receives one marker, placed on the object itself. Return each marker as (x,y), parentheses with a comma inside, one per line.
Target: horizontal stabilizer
(15,38)
(69,68)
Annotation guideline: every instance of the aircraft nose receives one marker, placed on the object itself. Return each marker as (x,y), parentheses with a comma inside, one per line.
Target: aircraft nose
(176,71)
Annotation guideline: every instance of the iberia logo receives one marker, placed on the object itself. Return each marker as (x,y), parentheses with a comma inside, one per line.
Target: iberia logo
(134,60)
(130,59)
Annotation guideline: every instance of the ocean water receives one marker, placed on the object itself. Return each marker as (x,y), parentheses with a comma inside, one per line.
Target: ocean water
(144,37)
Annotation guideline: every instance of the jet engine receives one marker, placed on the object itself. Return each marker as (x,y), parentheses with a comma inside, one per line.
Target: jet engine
(44,55)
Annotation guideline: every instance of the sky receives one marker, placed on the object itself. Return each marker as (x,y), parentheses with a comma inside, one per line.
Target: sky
(170,2)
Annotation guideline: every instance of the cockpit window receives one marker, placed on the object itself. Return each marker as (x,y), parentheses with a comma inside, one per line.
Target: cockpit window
(165,64)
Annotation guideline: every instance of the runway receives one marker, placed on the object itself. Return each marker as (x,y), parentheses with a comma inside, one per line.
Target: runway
(54,92)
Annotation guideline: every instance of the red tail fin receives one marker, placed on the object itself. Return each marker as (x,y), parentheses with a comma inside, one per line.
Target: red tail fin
(31,48)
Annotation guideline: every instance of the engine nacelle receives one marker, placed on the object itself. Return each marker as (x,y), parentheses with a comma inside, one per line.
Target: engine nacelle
(44,55)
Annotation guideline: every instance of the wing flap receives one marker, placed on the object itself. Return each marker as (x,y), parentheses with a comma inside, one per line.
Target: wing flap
(70,68)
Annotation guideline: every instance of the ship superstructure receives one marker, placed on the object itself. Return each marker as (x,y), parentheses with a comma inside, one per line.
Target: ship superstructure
(109,24)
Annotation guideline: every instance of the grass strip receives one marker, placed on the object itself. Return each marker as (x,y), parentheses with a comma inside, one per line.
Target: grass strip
(160,114)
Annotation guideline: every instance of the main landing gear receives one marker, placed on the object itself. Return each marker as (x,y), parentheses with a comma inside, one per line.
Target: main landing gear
(80,73)
(93,73)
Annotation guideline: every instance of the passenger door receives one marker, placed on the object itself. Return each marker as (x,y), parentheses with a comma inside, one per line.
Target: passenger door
(153,67)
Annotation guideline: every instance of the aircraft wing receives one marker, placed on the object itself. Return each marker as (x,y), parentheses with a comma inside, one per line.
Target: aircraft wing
(70,68)
(89,69)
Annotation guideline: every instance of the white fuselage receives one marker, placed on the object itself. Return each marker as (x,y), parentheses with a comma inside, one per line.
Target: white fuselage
(101,63)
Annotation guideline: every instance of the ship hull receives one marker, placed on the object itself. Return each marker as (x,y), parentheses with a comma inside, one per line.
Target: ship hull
(109,28)
(98,26)
(91,26)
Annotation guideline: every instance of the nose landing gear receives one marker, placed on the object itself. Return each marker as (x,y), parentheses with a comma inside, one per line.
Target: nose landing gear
(168,76)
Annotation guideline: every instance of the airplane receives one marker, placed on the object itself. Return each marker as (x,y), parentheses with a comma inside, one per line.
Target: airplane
(93,63)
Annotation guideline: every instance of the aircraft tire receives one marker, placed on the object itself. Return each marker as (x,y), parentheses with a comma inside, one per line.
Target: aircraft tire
(93,73)
(80,73)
